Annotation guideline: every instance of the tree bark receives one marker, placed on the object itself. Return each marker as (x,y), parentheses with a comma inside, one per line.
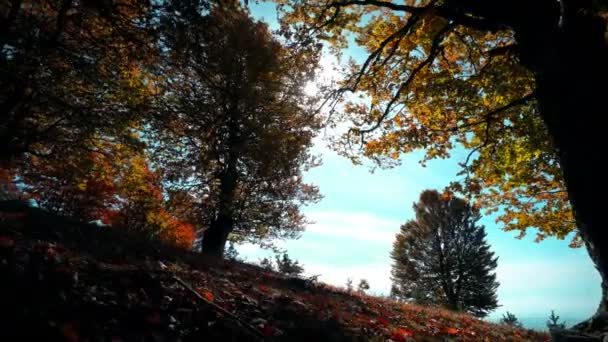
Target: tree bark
(570,62)
(214,239)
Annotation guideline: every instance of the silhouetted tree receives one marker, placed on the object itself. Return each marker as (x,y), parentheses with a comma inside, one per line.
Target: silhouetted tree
(349,284)
(267,264)
(235,128)
(363,286)
(287,266)
(442,257)
(553,322)
(510,319)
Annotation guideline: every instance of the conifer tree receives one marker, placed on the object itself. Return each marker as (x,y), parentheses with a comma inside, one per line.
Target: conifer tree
(442,258)
(510,319)
(554,322)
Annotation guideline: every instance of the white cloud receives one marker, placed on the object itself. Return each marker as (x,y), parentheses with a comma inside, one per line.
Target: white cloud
(353,226)
(538,286)
(542,275)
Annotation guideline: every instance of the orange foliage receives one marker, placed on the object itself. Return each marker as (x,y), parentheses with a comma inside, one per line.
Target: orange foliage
(115,185)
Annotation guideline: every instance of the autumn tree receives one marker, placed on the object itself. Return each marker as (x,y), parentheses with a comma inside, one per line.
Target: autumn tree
(79,185)
(442,257)
(519,84)
(234,128)
(113,184)
(70,70)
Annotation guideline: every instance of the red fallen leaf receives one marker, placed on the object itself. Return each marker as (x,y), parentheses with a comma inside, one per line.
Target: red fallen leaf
(208,295)
(397,337)
(69,332)
(264,288)
(405,332)
(452,331)
(401,334)
(6,242)
(205,293)
(382,321)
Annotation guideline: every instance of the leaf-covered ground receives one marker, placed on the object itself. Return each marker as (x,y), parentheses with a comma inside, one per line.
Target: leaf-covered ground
(66,281)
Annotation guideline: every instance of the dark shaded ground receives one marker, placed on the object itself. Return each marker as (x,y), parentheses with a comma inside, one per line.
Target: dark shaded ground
(67,281)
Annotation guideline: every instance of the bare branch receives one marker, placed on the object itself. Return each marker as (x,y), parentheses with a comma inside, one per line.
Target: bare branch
(378,3)
(502,50)
(444,11)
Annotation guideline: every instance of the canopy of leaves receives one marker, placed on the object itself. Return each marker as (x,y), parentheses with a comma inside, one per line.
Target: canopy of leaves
(234,123)
(442,257)
(211,92)
(438,80)
(70,70)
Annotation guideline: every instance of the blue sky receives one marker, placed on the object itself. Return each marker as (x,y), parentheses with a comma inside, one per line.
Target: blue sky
(356,221)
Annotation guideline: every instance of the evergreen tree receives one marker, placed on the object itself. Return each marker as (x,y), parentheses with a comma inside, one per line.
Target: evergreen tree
(510,319)
(442,257)
(553,322)
(287,266)
(267,264)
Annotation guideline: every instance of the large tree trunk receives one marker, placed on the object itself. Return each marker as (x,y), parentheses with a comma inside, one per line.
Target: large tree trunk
(214,239)
(570,63)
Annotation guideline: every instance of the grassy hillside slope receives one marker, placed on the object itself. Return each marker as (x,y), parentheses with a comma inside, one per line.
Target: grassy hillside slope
(67,281)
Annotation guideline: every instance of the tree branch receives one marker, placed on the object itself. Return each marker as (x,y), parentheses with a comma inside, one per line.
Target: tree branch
(502,50)
(374,55)
(435,49)
(378,3)
(444,11)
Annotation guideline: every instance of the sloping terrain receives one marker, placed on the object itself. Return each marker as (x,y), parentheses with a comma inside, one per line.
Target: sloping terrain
(67,281)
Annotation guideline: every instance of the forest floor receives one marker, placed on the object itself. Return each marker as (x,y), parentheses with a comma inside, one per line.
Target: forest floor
(66,281)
